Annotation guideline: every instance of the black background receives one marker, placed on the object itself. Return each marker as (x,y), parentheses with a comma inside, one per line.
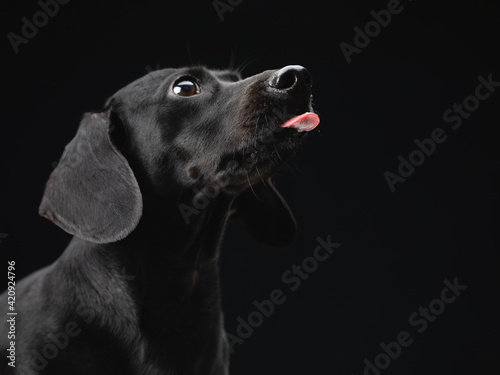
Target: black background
(396,248)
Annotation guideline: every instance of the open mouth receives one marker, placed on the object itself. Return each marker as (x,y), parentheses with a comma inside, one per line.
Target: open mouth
(282,139)
(270,150)
(304,122)
(293,129)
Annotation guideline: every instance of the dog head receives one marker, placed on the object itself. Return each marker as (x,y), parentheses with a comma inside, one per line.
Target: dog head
(212,128)
(189,128)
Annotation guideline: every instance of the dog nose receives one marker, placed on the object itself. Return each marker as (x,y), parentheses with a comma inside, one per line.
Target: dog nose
(290,78)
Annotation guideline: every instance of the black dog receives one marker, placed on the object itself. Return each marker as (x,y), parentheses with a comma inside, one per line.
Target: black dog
(146,187)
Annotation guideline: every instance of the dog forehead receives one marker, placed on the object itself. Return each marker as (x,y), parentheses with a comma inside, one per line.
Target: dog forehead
(203,73)
(142,88)
(227,75)
(148,84)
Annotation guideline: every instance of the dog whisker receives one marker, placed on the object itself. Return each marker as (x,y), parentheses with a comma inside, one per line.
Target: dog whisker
(155,202)
(246,64)
(261,178)
(251,188)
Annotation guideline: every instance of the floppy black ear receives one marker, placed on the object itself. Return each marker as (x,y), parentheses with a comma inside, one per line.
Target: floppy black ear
(263,213)
(93,193)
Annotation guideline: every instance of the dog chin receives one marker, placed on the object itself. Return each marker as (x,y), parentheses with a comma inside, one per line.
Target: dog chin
(263,154)
(254,165)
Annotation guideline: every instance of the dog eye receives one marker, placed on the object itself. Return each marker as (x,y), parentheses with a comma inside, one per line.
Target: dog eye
(186,88)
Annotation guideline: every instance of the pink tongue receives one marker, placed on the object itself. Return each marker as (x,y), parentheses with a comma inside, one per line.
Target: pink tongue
(304,122)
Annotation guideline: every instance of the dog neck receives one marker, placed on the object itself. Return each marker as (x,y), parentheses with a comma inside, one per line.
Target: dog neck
(176,265)
(165,276)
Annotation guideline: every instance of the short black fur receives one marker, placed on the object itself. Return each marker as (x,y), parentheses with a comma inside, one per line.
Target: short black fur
(137,289)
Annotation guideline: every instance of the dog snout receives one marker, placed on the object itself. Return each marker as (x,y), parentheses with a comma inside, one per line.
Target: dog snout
(290,79)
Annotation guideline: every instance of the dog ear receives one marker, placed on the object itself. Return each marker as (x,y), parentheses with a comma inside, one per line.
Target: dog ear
(264,214)
(93,193)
